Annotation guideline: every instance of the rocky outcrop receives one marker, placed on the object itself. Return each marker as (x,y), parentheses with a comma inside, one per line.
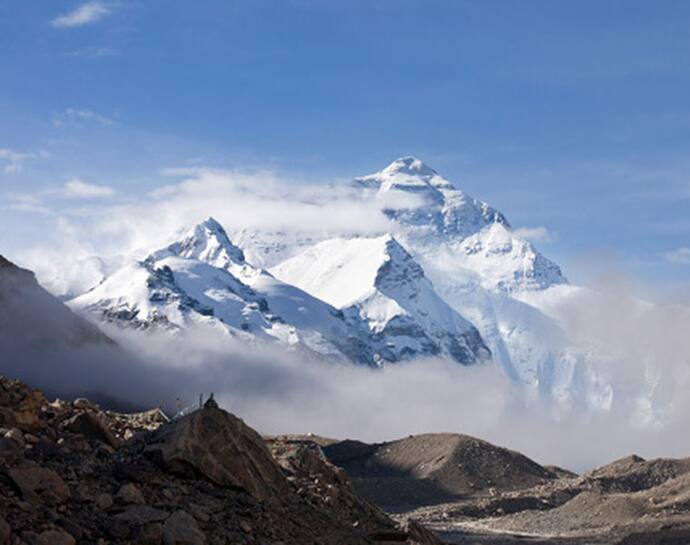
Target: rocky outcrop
(71,473)
(222,448)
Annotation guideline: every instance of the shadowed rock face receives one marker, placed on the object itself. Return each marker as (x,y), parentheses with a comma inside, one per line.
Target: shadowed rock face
(31,317)
(222,448)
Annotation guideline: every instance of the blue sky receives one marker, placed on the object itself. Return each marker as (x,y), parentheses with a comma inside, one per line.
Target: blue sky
(572,116)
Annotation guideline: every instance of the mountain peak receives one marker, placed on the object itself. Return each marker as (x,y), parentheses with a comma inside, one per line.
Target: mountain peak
(207,241)
(411,166)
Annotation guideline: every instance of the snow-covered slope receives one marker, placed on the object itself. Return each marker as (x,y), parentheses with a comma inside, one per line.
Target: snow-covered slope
(376,280)
(202,280)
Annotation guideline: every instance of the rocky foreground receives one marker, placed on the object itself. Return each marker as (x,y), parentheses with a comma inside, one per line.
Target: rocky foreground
(71,473)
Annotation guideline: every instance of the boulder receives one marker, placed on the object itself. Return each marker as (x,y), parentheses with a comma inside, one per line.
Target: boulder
(5,532)
(181,529)
(55,537)
(130,494)
(92,427)
(39,483)
(222,448)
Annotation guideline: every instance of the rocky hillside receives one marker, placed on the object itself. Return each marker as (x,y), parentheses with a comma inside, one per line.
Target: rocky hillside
(71,473)
(53,327)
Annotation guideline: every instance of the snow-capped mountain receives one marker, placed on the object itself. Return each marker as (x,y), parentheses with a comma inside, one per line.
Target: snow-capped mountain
(375,280)
(440,222)
(447,277)
(203,280)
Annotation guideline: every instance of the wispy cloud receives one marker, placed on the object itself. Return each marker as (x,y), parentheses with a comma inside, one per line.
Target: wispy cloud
(86,14)
(536,234)
(38,202)
(73,115)
(77,189)
(681,256)
(94,52)
(14,160)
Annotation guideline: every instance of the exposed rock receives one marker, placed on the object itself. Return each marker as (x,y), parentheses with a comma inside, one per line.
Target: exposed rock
(130,494)
(55,537)
(222,448)
(5,532)
(139,515)
(91,427)
(181,529)
(39,483)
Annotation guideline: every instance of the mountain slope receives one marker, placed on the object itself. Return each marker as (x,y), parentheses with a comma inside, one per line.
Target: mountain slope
(33,318)
(377,281)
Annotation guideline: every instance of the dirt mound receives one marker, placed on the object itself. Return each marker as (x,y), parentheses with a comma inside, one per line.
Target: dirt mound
(433,468)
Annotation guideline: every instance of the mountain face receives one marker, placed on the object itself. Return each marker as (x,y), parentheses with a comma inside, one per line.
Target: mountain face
(441,222)
(378,282)
(32,319)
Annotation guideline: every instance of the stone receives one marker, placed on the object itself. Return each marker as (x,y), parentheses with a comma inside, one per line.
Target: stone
(181,529)
(5,532)
(104,501)
(55,537)
(9,449)
(15,435)
(37,482)
(130,493)
(150,534)
(139,515)
(92,427)
(221,447)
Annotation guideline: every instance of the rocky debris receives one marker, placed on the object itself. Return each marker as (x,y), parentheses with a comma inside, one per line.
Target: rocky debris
(325,485)
(627,501)
(20,406)
(203,479)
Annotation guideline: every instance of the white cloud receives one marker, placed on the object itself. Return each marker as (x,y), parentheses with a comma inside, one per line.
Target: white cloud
(76,189)
(85,14)
(14,160)
(681,256)
(536,234)
(73,115)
